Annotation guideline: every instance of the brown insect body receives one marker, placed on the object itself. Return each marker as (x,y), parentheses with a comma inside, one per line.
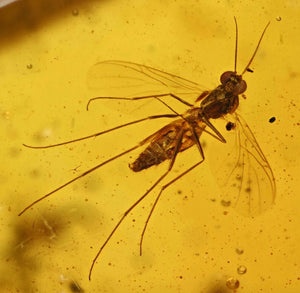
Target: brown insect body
(250,165)
(163,142)
(215,104)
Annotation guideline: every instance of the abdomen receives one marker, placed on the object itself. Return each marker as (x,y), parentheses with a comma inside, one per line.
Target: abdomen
(163,144)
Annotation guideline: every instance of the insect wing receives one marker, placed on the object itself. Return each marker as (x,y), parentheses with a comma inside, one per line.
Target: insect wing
(128,79)
(245,176)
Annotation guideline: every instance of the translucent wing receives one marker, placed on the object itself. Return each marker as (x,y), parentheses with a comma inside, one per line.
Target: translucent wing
(246,178)
(115,78)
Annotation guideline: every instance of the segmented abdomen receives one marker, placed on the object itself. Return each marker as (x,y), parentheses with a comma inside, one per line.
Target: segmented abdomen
(157,152)
(163,144)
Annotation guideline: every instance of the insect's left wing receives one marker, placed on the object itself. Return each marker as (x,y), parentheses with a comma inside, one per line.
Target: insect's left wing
(246,178)
(121,78)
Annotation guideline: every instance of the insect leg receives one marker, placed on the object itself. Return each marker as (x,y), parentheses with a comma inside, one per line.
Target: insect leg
(170,183)
(140,98)
(215,130)
(103,132)
(80,176)
(179,141)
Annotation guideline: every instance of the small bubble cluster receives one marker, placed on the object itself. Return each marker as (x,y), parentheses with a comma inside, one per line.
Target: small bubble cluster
(239,251)
(225,203)
(6,115)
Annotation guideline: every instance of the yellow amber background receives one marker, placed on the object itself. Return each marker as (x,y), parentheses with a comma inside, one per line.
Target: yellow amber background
(47,48)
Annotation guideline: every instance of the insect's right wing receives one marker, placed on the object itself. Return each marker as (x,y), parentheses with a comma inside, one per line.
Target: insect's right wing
(244,174)
(128,79)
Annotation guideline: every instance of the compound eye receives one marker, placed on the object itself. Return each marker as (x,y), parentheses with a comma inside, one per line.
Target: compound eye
(240,88)
(226,76)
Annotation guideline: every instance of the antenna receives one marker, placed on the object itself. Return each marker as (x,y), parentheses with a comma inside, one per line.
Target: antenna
(236,44)
(261,37)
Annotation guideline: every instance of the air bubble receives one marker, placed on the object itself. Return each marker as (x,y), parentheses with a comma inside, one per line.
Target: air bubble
(232,283)
(278,18)
(241,270)
(29,66)
(75,12)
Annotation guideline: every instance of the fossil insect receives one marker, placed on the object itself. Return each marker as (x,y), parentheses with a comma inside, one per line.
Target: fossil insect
(250,182)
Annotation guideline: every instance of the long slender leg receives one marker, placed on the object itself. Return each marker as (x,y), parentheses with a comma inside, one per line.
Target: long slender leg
(179,141)
(161,191)
(217,134)
(214,129)
(169,107)
(80,176)
(197,142)
(103,132)
(140,98)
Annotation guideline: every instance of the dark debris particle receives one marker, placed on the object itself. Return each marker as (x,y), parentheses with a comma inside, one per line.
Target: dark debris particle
(272,119)
(230,126)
